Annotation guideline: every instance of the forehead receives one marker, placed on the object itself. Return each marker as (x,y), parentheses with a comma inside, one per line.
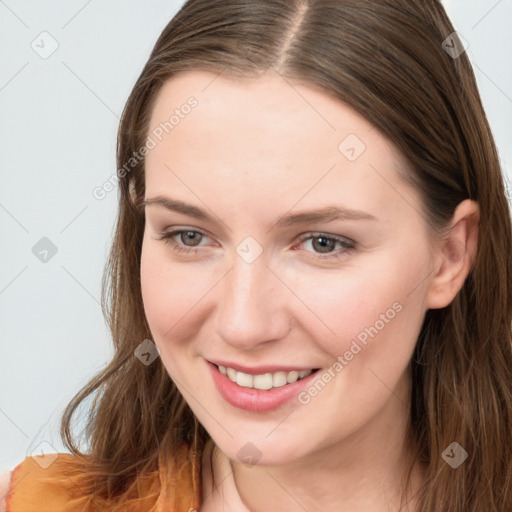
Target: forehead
(262,138)
(271,101)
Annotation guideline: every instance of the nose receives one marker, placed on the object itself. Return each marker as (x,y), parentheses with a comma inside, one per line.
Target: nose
(252,307)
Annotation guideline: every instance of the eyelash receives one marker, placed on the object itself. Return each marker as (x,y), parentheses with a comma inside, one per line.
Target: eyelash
(347,244)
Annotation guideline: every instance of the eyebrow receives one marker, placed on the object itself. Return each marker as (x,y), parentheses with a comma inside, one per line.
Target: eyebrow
(326,214)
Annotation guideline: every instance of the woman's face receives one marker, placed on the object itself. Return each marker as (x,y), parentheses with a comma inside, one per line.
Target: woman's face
(301,248)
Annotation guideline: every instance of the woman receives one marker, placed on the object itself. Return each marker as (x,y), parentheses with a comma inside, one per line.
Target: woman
(309,289)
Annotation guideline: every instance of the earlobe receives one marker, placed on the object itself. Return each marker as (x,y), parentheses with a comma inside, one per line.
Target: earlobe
(455,255)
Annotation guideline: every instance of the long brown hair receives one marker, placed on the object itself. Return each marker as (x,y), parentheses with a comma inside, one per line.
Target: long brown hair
(386,59)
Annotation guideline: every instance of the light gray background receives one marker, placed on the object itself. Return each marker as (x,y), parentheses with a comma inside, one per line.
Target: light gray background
(58,123)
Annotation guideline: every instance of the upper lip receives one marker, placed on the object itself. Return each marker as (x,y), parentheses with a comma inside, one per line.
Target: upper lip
(258,370)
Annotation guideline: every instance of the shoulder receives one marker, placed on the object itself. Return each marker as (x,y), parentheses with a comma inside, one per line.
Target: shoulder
(38,483)
(58,482)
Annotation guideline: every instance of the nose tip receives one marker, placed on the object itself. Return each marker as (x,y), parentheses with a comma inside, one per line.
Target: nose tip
(251,309)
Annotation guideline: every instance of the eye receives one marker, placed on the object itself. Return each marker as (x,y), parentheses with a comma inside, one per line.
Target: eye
(325,245)
(185,236)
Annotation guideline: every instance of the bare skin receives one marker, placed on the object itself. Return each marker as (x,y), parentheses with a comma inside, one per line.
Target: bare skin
(248,154)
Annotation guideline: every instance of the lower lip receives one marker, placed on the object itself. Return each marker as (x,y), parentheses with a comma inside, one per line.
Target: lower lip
(257,400)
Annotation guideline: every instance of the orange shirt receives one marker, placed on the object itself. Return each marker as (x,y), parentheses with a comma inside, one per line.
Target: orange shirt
(48,484)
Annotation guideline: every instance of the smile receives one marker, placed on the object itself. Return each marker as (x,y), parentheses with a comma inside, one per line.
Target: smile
(263,381)
(265,389)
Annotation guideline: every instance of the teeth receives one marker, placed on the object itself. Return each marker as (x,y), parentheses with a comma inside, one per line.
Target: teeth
(279,379)
(292,377)
(264,381)
(244,380)
(231,374)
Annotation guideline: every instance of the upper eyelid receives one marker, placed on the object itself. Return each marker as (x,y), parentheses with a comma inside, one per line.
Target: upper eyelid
(318,234)
(177,230)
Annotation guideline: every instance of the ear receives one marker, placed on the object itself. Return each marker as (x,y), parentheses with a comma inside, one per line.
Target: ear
(454,255)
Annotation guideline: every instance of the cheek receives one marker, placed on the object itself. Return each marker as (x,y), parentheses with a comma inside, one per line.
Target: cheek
(373,309)
(167,299)
(169,293)
(177,302)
